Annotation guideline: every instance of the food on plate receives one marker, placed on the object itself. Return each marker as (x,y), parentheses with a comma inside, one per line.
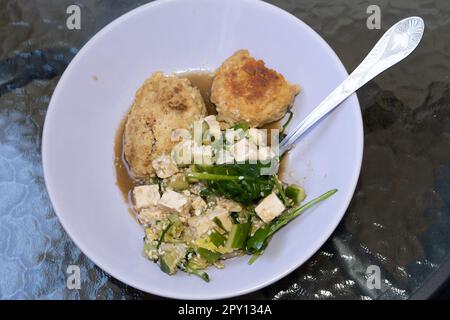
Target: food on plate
(206,188)
(162,104)
(245,90)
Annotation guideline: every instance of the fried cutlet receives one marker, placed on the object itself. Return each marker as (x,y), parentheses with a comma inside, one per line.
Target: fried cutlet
(162,104)
(245,90)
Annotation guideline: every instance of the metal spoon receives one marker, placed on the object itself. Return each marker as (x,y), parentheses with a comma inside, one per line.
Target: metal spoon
(395,45)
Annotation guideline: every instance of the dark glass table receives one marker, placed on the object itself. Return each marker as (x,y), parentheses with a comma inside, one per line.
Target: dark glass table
(397,226)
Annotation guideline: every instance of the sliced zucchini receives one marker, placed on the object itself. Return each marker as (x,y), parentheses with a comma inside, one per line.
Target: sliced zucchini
(171,257)
(238,236)
(179,183)
(296,193)
(217,239)
(208,255)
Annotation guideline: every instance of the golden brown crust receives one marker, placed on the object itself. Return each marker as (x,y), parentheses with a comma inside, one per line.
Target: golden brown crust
(162,104)
(245,90)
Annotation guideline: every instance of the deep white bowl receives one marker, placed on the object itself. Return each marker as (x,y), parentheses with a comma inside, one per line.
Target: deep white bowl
(98,87)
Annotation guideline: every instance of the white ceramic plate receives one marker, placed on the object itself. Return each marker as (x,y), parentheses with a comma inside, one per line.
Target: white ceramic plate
(98,87)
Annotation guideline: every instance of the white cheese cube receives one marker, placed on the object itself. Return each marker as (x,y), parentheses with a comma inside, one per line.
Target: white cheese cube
(146,196)
(269,208)
(223,215)
(200,225)
(164,166)
(174,202)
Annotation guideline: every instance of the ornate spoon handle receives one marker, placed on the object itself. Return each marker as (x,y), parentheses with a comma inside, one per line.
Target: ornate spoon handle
(395,45)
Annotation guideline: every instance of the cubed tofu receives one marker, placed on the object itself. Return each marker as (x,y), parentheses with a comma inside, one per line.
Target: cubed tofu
(149,216)
(146,196)
(200,225)
(244,150)
(198,205)
(164,166)
(223,215)
(175,202)
(269,208)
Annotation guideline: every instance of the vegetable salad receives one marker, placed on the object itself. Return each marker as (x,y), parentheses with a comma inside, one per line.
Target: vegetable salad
(216,196)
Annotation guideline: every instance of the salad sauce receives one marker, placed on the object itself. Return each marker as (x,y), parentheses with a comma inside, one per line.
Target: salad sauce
(203,81)
(124,180)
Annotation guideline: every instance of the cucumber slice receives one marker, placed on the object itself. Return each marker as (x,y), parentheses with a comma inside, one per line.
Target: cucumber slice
(208,255)
(296,193)
(238,236)
(179,183)
(219,223)
(171,257)
(217,239)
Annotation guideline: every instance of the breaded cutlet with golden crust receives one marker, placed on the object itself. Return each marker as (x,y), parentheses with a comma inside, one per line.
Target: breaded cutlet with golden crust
(162,104)
(245,90)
